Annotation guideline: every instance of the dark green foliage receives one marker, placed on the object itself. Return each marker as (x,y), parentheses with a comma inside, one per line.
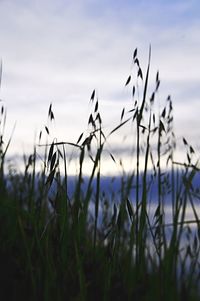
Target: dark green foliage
(53,248)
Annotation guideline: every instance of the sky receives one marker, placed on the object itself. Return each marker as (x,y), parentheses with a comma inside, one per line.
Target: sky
(59,51)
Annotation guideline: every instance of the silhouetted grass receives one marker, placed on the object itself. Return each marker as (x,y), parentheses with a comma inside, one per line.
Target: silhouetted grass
(54,247)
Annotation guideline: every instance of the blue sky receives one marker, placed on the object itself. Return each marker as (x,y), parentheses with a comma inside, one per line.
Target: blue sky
(59,51)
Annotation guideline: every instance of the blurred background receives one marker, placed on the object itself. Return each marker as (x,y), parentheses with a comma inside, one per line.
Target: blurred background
(60,51)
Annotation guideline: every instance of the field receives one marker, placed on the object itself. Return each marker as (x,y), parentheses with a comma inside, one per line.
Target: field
(89,243)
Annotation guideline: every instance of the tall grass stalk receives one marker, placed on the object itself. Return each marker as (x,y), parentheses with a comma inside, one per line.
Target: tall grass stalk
(86,243)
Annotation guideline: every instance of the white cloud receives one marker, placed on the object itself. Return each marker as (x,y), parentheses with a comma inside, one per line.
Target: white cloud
(60,51)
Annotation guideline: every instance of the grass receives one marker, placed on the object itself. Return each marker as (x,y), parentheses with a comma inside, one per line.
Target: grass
(52,247)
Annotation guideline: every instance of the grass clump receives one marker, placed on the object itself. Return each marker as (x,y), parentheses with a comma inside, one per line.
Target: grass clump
(59,243)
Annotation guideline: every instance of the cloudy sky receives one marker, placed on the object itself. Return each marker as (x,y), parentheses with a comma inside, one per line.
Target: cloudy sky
(59,51)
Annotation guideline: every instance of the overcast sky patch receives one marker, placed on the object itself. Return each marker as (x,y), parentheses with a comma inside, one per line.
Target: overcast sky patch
(59,51)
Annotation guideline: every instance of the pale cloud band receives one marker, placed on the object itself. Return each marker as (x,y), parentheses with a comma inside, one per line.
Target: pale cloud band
(59,51)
